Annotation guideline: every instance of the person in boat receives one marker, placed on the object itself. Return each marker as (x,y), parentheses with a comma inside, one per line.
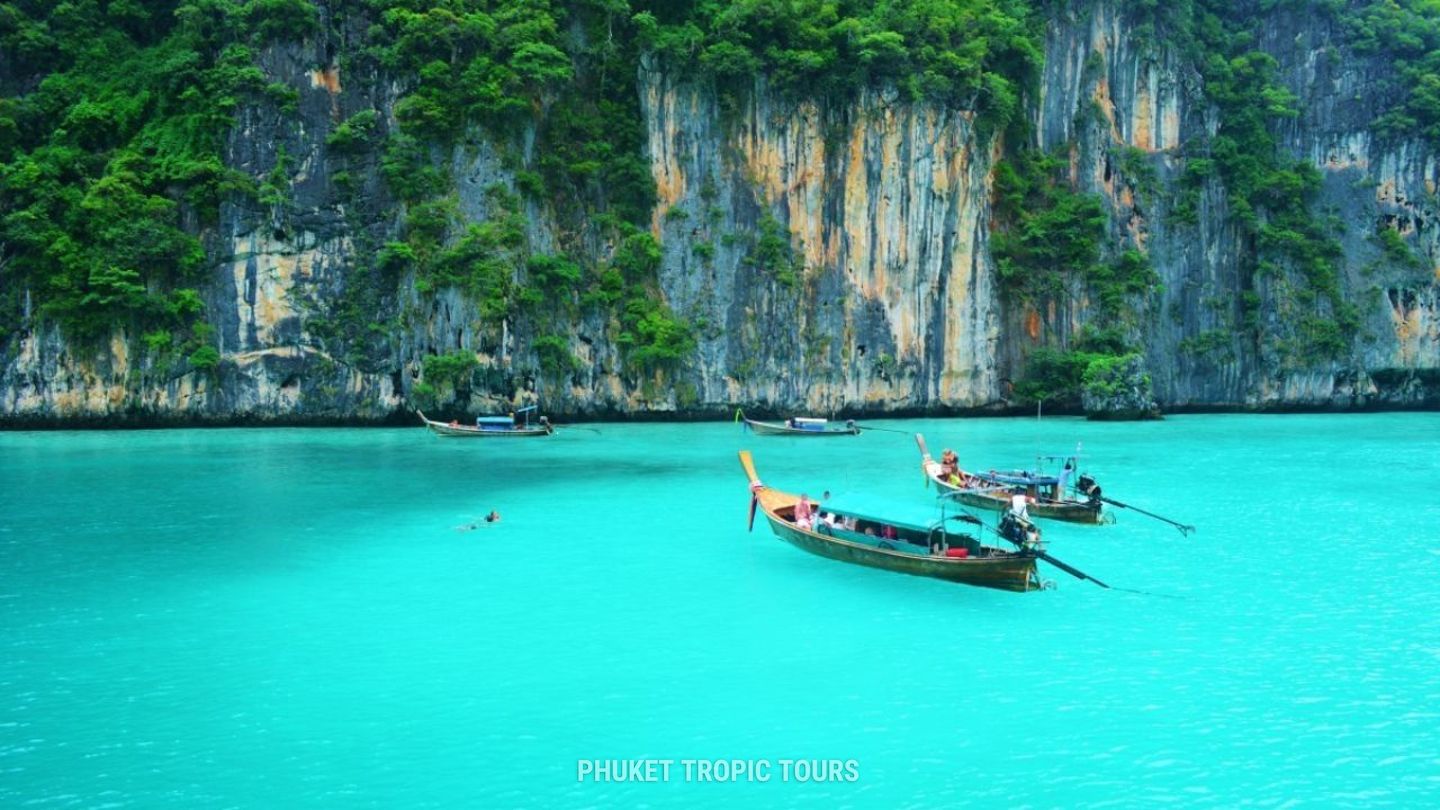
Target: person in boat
(515,420)
(1016,526)
(804,513)
(1063,480)
(454,423)
(888,532)
(949,463)
(493,517)
(1018,506)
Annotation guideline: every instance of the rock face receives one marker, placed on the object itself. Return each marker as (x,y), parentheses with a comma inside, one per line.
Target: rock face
(892,304)
(1144,96)
(886,206)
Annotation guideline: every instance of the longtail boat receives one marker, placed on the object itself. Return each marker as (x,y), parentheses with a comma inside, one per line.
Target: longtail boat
(492,427)
(799,426)
(1046,496)
(885,537)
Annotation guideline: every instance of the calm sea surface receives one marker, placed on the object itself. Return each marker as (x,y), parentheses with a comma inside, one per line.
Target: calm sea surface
(272,618)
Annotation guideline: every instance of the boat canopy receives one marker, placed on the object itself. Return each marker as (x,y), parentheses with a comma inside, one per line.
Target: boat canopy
(809,420)
(1019,478)
(900,514)
(495,420)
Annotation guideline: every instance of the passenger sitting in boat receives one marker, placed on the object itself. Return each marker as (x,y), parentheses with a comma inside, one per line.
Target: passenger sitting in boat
(949,462)
(888,532)
(804,516)
(454,423)
(869,531)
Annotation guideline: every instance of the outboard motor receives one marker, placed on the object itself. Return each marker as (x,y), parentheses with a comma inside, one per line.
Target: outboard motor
(1024,534)
(1010,528)
(1087,486)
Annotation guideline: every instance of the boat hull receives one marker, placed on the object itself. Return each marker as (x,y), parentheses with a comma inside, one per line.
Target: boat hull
(1011,573)
(1078,512)
(773,429)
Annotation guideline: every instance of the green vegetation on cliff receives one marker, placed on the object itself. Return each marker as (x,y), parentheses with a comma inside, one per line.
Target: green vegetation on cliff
(1269,193)
(1405,33)
(505,67)
(115,117)
(1048,247)
(112,120)
(981,55)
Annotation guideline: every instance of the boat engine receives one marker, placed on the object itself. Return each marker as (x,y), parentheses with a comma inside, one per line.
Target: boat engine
(1087,486)
(1024,534)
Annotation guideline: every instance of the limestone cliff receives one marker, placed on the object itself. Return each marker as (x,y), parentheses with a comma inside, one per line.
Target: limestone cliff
(889,301)
(1103,90)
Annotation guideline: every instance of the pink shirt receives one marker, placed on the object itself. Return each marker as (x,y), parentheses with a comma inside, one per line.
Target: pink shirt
(802,511)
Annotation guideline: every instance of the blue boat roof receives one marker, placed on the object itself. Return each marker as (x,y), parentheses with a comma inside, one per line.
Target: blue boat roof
(883,510)
(1022,479)
(494,420)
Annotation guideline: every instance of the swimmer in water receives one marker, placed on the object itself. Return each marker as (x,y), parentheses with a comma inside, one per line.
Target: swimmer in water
(493,517)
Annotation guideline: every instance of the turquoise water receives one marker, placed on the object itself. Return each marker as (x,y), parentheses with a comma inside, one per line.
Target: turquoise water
(266,618)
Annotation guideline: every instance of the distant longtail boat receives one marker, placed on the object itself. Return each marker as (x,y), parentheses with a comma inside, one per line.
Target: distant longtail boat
(492,427)
(799,426)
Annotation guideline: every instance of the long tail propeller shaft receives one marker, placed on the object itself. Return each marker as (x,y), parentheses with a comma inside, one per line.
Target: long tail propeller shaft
(1184,528)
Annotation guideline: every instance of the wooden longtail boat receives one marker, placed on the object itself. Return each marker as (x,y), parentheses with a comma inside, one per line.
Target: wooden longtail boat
(799,426)
(1046,496)
(914,547)
(491,427)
